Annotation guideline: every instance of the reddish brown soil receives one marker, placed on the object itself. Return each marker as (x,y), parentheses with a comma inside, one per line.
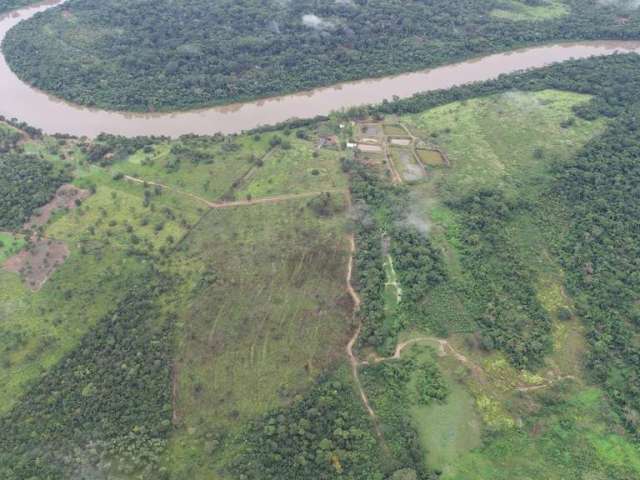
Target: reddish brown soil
(37,263)
(65,197)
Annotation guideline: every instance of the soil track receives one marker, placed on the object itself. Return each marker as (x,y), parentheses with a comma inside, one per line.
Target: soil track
(236,203)
(444,348)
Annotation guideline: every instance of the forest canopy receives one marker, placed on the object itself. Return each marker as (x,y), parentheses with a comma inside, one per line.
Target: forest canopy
(160,55)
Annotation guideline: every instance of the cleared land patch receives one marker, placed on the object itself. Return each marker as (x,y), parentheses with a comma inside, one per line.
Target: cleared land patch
(273,314)
(520,11)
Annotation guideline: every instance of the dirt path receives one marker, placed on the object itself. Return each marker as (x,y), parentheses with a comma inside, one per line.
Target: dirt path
(353,360)
(236,203)
(444,348)
(395,176)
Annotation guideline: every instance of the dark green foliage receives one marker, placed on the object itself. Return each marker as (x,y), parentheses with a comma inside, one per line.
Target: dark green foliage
(8,140)
(418,263)
(26,183)
(108,400)
(382,209)
(430,385)
(513,319)
(388,387)
(602,252)
(324,205)
(149,55)
(325,435)
(108,149)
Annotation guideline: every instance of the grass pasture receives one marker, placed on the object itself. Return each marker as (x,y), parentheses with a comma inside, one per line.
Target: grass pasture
(272,316)
(431,158)
(202,166)
(519,11)
(446,430)
(118,214)
(294,170)
(10,244)
(499,140)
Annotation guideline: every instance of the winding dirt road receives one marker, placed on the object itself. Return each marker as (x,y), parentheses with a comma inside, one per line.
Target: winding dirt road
(444,346)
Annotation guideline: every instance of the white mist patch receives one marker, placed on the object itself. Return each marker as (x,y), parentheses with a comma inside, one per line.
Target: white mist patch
(315,22)
(416,216)
(418,221)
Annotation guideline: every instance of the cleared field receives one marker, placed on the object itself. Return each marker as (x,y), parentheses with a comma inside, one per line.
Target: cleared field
(297,169)
(520,11)
(562,441)
(391,130)
(271,316)
(447,430)
(203,166)
(126,214)
(492,141)
(432,158)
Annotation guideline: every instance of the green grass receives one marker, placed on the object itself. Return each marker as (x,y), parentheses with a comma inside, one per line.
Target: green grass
(273,315)
(518,11)
(296,170)
(230,160)
(38,328)
(116,213)
(495,141)
(509,142)
(569,439)
(431,157)
(10,244)
(447,430)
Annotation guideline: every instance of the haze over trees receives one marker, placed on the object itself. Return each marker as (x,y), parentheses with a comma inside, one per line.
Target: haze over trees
(162,55)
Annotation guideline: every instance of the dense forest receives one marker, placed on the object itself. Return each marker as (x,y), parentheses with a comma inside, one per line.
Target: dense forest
(26,182)
(160,55)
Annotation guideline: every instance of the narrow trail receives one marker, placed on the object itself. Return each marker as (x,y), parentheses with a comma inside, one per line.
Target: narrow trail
(444,348)
(353,360)
(236,203)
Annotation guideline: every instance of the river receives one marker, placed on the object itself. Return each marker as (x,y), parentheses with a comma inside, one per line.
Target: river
(54,115)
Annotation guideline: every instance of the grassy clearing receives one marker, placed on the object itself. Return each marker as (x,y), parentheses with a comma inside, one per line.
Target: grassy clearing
(392,130)
(206,167)
(297,169)
(37,329)
(569,437)
(268,313)
(447,430)
(519,11)
(10,244)
(431,158)
(501,140)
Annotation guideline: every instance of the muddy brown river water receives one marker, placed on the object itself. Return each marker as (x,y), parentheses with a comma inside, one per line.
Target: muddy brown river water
(54,115)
